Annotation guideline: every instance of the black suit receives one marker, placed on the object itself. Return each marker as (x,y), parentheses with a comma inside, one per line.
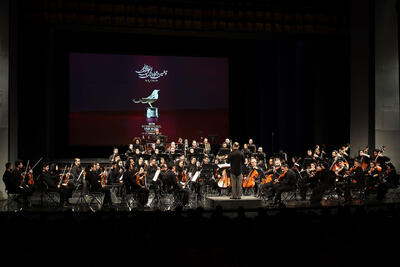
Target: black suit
(130,182)
(94,185)
(51,182)
(172,184)
(236,158)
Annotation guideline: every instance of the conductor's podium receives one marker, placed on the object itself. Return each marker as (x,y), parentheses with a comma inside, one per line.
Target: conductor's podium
(246,202)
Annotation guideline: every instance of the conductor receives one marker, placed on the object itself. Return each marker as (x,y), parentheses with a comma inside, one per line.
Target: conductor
(236,159)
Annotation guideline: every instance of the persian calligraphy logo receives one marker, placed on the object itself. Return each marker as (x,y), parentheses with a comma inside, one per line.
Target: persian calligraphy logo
(149,75)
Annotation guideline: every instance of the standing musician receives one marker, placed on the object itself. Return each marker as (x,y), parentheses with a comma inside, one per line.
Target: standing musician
(236,158)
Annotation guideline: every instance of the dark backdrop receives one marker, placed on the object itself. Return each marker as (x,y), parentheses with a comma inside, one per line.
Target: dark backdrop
(286,91)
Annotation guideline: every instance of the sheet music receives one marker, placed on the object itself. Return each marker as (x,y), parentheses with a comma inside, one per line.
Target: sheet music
(226,165)
(156,175)
(195,176)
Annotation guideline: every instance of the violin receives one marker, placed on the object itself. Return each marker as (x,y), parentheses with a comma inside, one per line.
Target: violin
(277,180)
(267,179)
(250,181)
(141,178)
(103,178)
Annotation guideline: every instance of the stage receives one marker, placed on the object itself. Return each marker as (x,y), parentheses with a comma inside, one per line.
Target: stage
(246,202)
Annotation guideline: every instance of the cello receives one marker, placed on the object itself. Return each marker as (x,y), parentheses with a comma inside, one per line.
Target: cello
(250,181)
(224,181)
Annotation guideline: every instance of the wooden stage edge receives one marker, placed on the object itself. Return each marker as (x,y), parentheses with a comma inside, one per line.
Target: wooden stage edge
(246,202)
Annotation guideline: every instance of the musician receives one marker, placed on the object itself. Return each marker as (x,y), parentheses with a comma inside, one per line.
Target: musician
(137,155)
(363,157)
(114,175)
(236,158)
(379,158)
(8,179)
(252,146)
(286,182)
(151,171)
(354,179)
(53,184)
(130,152)
(137,145)
(308,159)
(114,155)
(260,155)
(12,182)
(76,168)
(255,172)
(207,146)
(94,184)
(173,183)
(223,153)
(390,177)
(134,178)
(157,135)
(246,151)
(372,177)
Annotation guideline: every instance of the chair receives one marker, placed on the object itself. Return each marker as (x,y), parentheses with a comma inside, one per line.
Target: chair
(12,202)
(95,198)
(51,198)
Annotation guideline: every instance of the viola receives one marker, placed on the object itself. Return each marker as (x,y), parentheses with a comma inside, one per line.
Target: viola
(250,181)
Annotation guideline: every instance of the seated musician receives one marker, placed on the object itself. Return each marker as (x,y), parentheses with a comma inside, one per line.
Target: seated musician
(10,185)
(19,183)
(137,144)
(114,155)
(135,181)
(260,155)
(255,173)
(390,176)
(130,152)
(246,151)
(308,181)
(171,146)
(113,176)
(223,153)
(94,184)
(308,159)
(252,146)
(180,191)
(76,168)
(151,171)
(285,182)
(13,185)
(372,177)
(274,173)
(207,146)
(53,184)
(354,179)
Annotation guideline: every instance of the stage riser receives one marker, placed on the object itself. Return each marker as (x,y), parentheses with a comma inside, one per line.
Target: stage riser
(245,202)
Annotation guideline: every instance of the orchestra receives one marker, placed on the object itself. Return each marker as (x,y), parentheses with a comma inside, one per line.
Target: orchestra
(183,169)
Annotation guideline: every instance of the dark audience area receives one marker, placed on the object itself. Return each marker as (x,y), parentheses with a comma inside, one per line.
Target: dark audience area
(326,237)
